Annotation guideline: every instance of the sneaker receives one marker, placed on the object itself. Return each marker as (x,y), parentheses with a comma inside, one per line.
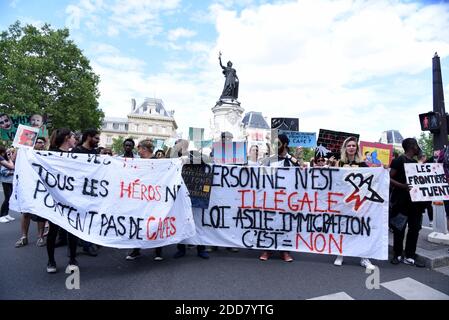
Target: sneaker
(41,242)
(364,262)
(158,258)
(134,254)
(413,262)
(73,265)
(179,254)
(10,218)
(396,260)
(22,242)
(431,224)
(51,267)
(338,261)
(286,257)
(265,256)
(203,254)
(4,219)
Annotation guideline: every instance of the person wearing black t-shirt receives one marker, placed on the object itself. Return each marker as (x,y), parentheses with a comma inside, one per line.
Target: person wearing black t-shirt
(401,203)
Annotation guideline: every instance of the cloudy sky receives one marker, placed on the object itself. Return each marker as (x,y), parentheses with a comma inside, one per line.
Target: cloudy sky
(354,66)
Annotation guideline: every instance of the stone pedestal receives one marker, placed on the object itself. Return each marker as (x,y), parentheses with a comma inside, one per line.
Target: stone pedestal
(228,117)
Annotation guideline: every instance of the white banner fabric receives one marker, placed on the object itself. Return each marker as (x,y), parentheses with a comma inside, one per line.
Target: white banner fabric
(115,202)
(339,211)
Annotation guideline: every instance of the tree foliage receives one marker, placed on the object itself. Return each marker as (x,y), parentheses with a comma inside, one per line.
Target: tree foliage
(426,143)
(117,145)
(42,71)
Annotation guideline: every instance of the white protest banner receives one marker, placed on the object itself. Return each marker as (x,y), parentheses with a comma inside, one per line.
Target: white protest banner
(339,211)
(115,202)
(428,181)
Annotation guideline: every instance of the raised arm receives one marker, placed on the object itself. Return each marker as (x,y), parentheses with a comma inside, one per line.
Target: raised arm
(221,65)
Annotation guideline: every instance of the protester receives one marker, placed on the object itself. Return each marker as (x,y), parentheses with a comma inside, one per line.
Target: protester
(128,148)
(199,159)
(282,159)
(89,144)
(27,217)
(403,207)
(350,157)
(253,156)
(7,159)
(106,151)
(61,140)
(442,156)
(145,150)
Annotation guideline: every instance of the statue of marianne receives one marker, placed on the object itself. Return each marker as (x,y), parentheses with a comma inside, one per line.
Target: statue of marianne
(231,86)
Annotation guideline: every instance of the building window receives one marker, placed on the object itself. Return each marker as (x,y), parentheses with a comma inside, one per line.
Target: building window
(109,140)
(115,126)
(126,127)
(105,125)
(150,129)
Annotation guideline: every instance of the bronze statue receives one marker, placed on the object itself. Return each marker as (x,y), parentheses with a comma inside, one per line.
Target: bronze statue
(231,86)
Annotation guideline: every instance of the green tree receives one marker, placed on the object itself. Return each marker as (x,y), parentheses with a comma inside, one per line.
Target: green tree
(426,143)
(117,145)
(42,71)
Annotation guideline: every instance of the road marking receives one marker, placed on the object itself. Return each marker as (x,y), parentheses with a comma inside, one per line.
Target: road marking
(410,289)
(334,296)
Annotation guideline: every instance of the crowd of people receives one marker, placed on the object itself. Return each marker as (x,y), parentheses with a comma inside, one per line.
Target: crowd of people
(403,212)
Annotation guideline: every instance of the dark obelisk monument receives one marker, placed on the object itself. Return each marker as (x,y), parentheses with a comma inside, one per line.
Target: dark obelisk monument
(439,138)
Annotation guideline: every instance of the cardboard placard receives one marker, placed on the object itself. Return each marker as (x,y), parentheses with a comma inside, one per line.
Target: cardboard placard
(333,140)
(376,154)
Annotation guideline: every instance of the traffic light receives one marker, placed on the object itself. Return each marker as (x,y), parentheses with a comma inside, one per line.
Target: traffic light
(430,121)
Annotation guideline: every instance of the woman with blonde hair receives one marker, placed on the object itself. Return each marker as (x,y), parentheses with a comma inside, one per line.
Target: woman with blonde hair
(351,157)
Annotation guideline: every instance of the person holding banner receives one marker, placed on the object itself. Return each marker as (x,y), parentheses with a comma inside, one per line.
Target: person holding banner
(89,145)
(7,158)
(145,150)
(351,157)
(61,140)
(282,159)
(402,207)
(27,217)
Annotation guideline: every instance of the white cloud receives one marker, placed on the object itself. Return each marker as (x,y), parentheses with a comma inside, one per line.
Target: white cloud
(177,33)
(136,17)
(346,65)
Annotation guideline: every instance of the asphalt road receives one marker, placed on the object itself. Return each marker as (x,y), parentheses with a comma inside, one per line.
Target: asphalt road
(225,276)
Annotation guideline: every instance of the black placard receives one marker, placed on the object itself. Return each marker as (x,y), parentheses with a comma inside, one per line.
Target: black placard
(198,179)
(333,140)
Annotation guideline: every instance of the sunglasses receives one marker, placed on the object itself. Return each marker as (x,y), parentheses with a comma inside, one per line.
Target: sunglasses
(321,160)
